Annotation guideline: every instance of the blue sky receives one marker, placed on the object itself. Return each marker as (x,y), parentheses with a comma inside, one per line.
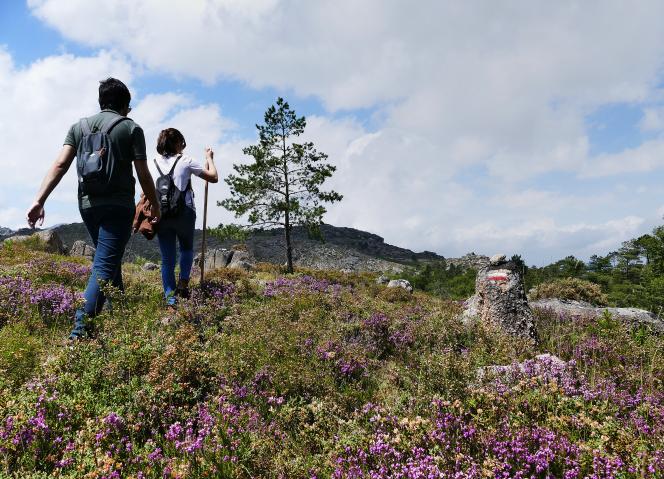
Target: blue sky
(533,129)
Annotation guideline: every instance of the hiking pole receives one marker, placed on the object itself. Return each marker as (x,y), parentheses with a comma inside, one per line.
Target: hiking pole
(205,201)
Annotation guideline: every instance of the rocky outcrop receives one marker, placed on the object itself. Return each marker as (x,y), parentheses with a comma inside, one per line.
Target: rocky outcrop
(241,260)
(633,316)
(215,258)
(224,258)
(469,261)
(500,299)
(400,283)
(51,239)
(341,249)
(317,255)
(81,248)
(547,366)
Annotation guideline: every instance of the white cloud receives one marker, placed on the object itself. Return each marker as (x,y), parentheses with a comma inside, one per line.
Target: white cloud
(505,87)
(653,119)
(473,102)
(545,239)
(332,50)
(647,157)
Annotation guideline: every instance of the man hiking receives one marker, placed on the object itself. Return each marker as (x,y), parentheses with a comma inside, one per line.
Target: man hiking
(105,145)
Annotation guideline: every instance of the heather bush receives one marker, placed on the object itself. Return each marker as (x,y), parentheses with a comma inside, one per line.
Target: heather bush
(227,274)
(34,304)
(272,269)
(570,288)
(395,295)
(316,375)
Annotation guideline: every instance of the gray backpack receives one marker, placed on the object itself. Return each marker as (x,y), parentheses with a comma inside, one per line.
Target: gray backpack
(96,157)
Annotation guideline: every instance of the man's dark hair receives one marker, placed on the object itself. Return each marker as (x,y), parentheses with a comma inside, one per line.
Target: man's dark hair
(169,142)
(113,95)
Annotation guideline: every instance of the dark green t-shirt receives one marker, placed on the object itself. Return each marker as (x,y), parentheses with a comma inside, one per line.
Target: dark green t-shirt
(129,138)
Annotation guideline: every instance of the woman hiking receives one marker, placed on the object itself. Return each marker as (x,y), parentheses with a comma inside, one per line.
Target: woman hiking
(179,215)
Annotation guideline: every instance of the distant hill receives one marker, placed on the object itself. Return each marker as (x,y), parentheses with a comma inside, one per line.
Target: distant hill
(341,248)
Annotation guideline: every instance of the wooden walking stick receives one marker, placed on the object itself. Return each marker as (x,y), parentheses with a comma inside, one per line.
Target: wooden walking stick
(205,201)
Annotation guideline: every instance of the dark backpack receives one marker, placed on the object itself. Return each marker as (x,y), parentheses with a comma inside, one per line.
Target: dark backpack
(96,157)
(171,199)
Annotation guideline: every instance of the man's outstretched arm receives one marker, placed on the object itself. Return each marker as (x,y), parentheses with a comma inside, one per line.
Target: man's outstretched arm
(55,173)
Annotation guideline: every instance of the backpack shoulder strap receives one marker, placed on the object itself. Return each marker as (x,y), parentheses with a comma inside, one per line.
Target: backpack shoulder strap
(158,169)
(170,173)
(111,124)
(85,126)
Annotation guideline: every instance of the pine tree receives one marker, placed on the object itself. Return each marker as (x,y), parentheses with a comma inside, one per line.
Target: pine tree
(281,187)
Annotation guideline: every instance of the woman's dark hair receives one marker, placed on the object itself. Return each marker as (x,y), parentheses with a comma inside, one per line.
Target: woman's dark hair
(169,142)
(113,95)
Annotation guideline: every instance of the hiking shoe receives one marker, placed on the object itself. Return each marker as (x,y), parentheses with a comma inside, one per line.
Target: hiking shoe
(182,289)
(82,330)
(78,335)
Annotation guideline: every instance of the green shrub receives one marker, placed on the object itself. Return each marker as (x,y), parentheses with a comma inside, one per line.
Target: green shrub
(571,288)
(19,353)
(33,243)
(227,274)
(301,378)
(395,295)
(140,260)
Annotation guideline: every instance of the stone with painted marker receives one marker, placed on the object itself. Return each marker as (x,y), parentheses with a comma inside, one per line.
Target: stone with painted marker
(499,275)
(500,299)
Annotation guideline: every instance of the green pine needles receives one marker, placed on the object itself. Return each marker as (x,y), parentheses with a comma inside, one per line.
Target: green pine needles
(282,186)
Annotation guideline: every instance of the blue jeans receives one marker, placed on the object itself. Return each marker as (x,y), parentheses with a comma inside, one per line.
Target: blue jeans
(168,230)
(110,229)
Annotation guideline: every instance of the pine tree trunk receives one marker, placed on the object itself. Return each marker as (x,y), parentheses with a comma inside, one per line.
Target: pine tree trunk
(287,225)
(289,248)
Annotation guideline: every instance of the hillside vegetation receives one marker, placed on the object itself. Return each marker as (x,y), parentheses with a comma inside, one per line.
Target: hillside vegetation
(312,375)
(631,276)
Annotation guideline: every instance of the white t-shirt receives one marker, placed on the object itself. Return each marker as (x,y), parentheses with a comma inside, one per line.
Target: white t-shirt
(182,173)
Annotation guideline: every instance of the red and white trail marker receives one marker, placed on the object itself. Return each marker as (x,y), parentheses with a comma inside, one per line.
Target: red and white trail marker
(498,275)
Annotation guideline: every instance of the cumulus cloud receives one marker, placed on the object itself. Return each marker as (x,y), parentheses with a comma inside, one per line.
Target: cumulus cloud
(399,200)
(470,100)
(544,238)
(646,157)
(653,119)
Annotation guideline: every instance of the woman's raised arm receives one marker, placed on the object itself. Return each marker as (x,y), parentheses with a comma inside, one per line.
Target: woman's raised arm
(210,171)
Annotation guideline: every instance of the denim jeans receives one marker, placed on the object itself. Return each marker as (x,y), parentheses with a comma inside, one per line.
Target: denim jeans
(110,230)
(168,230)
